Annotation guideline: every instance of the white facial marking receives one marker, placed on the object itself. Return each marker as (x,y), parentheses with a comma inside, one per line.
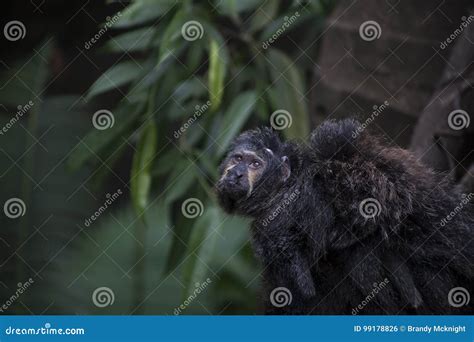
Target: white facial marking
(227,170)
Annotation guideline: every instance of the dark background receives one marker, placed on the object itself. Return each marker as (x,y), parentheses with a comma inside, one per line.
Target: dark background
(142,247)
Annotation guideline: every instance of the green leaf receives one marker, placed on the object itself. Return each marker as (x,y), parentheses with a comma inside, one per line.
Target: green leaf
(164,163)
(192,87)
(150,75)
(172,37)
(201,247)
(217,67)
(181,179)
(233,7)
(288,93)
(96,140)
(263,16)
(234,119)
(195,56)
(142,11)
(140,176)
(118,75)
(283,25)
(137,40)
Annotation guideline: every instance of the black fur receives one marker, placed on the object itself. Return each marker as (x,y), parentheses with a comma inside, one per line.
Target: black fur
(312,239)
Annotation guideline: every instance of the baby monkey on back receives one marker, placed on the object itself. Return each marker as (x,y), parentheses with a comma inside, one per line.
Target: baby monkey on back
(337,216)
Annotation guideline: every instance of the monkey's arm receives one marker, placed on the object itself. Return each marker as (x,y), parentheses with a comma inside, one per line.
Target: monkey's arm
(301,272)
(284,260)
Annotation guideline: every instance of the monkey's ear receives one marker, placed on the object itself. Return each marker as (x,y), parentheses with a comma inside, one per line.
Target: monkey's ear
(286,169)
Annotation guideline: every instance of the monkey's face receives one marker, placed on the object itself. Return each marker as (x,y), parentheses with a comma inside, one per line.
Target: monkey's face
(240,173)
(248,177)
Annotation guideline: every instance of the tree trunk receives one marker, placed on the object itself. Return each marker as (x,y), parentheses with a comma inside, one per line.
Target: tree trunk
(402,66)
(444,135)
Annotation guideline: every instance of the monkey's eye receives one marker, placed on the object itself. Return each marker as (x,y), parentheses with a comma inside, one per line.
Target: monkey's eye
(255,164)
(238,158)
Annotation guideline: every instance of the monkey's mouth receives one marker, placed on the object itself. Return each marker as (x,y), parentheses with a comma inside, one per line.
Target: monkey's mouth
(232,189)
(229,194)
(226,197)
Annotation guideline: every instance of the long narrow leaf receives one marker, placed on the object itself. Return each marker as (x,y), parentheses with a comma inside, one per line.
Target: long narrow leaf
(217,66)
(142,162)
(115,77)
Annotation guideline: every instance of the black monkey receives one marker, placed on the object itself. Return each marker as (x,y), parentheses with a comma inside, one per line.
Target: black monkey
(348,225)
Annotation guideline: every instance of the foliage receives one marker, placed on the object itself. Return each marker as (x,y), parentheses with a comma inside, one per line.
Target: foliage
(224,62)
(184,98)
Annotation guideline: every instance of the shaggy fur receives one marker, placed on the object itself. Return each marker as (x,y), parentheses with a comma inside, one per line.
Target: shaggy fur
(311,238)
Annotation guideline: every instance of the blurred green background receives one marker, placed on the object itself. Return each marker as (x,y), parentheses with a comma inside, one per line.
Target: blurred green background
(172,100)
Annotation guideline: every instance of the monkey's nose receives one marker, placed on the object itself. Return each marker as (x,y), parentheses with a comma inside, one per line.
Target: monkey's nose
(235,175)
